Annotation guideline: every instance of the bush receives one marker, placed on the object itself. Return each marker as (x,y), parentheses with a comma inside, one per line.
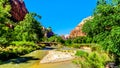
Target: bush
(3,41)
(68,42)
(104,27)
(75,45)
(81,53)
(92,60)
(14,51)
(82,40)
(23,43)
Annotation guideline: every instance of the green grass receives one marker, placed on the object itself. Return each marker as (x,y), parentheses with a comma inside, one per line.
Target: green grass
(15,51)
(97,58)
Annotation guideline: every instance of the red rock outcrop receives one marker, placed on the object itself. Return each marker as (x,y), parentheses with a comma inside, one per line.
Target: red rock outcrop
(78,30)
(18,10)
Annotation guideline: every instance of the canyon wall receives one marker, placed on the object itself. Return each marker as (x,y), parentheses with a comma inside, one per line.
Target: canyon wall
(77,31)
(18,10)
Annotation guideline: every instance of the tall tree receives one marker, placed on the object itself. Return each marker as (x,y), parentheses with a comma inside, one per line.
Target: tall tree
(4,11)
(104,28)
(29,29)
(5,32)
(101,2)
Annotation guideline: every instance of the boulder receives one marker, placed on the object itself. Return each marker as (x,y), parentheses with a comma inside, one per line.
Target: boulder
(18,10)
(57,56)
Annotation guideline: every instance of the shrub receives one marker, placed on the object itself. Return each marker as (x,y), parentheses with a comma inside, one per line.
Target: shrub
(81,53)
(82,40)
(92,60)
(14,51)
(23,43)
(76,45)
(68,42)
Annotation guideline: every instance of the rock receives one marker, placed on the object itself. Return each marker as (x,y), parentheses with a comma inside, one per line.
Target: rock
(18,10)
(47,32)
(110,65)
(86,49)
(78,30)
(57,56)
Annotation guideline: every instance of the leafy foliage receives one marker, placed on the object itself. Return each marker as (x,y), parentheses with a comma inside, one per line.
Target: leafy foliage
(104,27)
(68,42)
(82,40)
(5,32)
(14,51)
(81,53)
(21,35)
(54,38)
(28,30)
(112,41)
(92,59)
(4,11)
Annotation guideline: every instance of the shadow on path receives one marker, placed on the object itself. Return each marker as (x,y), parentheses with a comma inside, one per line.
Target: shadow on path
(48,48)
(23,59)
(20,60)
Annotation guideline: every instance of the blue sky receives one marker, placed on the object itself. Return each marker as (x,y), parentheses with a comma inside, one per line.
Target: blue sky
(62,15)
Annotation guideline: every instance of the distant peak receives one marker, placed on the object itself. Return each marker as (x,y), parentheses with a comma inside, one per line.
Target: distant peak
(78,29)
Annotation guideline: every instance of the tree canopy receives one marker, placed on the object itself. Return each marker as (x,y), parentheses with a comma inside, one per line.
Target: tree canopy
(29,29)
(104,28)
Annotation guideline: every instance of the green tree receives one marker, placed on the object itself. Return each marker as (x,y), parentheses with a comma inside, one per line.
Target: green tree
(56,38)
(101,2)
(82,40)
(104,28)
(4,11)
(5,31)
(28,30)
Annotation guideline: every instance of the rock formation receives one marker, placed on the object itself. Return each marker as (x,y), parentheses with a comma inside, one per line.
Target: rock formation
(47,32)
(18,10)
(58,56)
(78,30)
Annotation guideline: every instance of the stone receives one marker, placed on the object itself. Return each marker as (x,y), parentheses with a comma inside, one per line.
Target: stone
(78,29)
(57,56)
(18,10)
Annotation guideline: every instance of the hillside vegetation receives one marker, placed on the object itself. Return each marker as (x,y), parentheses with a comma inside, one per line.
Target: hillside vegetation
(17,38)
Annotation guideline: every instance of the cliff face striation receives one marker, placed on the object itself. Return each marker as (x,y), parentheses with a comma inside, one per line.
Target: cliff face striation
(18,10)
(78,30)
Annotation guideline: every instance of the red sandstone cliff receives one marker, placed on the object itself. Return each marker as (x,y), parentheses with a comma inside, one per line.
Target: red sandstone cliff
(78,30)
(18,10)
